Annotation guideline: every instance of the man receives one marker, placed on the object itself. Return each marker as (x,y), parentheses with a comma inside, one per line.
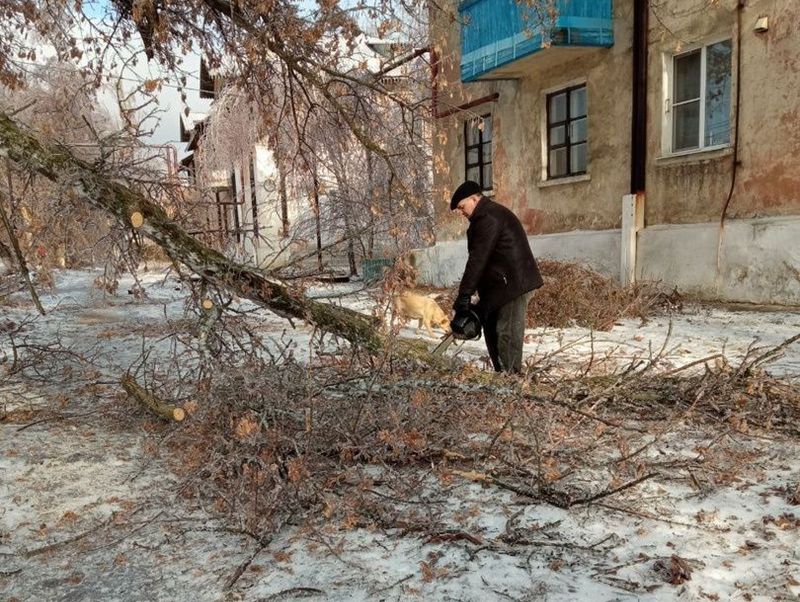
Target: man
(503,271)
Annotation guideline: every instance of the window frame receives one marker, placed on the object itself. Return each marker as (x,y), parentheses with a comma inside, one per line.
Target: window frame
(668,84)
(253,199)
(547,147)
(482,163)
(234,204)
(207,88)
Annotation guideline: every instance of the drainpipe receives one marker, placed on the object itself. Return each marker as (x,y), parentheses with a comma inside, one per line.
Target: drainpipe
(633,203)
(735,165)
(639,108)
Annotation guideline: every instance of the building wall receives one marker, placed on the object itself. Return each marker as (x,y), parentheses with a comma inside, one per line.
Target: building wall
(694,188)
(751,258)
(585,202)
(270,246)
(758,261)
(691,188)
(443,263)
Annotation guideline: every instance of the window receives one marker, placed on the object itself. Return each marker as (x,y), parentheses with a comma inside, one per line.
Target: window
(206,81)
(235,208)
(253,201)
(701,98)
(478,151)
(567,132)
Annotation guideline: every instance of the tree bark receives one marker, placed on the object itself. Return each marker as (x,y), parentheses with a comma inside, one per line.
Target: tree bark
(91,185)
(144,397)
(21,263)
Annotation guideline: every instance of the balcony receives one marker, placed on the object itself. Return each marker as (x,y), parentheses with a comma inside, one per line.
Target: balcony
(497,33)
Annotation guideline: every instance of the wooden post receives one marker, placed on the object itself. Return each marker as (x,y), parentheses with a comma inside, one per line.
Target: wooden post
(632,222)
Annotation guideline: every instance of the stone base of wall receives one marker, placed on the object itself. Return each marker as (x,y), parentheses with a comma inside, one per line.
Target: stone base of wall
(759,259)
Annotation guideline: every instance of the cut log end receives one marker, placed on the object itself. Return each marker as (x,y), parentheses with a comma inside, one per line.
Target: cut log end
(207,304)
(149,401)
(137,219)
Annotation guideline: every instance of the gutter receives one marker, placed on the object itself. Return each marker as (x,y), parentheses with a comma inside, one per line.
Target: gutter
(641,9)
(735,165)
(633,203)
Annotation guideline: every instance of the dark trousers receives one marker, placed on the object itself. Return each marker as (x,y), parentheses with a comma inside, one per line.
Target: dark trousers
(504,332)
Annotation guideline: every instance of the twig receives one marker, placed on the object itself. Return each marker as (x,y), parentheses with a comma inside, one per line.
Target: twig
(761,359)
(56,417)
(609,492)
(571,408)
(690,364)
(656,518)
(303,591)
(59,544)
(22,108)
(602,541)
(453,535)
(246,563)
(401,500)
(395,584)
(110,544)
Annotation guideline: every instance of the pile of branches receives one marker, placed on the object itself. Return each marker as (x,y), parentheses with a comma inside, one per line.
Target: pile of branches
(574,295)
(359,444)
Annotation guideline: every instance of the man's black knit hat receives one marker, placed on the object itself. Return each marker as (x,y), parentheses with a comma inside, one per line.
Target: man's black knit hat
(468,188)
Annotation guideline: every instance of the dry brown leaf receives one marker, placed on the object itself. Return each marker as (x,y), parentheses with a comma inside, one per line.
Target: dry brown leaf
(281,556)
(297,470)
(68,517)
(246,428)
(472,475)
(674,570)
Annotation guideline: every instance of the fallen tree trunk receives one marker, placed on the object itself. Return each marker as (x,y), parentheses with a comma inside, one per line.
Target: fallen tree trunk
(87,183)
(148,400)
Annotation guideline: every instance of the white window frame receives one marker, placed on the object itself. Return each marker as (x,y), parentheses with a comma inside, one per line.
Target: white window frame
(543,126)
(668,81)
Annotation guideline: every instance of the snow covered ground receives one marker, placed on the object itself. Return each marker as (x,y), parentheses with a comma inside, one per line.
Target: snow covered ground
(87,512)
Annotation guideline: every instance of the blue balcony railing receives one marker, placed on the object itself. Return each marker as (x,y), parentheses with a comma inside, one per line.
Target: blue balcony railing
(495,33)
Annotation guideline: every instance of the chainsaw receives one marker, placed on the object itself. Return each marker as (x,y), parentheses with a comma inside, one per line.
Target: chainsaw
(465,325)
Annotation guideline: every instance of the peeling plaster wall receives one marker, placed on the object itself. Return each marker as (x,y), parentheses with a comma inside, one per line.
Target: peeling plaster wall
(680,189)
(694,188)
(685,194)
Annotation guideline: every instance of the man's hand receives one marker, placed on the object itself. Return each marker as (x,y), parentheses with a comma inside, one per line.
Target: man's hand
(461,303)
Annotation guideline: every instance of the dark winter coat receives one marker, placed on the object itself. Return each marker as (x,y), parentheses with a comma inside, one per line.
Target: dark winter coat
(501,266)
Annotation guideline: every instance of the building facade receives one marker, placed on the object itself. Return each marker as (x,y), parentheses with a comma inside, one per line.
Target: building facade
(655,140)
(321,205)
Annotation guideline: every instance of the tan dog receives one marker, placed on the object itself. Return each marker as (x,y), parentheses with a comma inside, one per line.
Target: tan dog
(411,306)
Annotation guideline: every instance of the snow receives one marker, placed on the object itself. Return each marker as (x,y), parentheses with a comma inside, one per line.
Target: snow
(104,502)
